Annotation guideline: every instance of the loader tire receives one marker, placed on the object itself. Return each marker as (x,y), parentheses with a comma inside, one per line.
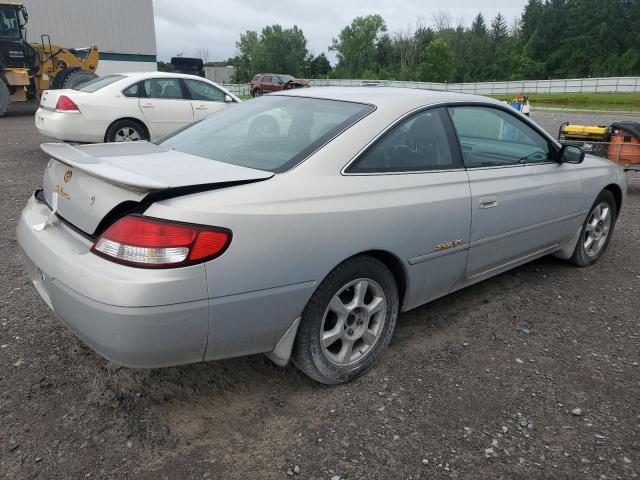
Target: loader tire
(71,78)
(77,77)
(5,98)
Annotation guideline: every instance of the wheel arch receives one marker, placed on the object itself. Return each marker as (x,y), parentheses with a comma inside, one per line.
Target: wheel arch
(616,191)
(131,119)
(395,266)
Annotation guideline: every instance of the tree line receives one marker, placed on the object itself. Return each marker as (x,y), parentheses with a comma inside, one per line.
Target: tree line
(550,39)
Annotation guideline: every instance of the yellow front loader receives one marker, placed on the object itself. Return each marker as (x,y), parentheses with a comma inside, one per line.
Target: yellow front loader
(28,69)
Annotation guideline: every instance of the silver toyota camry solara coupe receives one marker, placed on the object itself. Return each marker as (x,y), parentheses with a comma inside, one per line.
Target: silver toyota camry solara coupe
(301,223)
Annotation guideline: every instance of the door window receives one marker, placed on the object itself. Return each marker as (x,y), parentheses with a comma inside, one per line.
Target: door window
(491,137)
(420,143)
(205,92)
(266,79)
(167,88)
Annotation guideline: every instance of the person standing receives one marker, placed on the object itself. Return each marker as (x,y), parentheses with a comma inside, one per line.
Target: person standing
(526,106)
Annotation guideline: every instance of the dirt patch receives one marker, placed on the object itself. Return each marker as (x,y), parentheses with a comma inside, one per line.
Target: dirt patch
(479,384)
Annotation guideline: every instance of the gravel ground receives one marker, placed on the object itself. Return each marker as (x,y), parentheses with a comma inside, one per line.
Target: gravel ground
(463,391)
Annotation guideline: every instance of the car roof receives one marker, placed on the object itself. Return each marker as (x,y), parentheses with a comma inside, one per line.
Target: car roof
(143,75)
(135,76)
(386,96)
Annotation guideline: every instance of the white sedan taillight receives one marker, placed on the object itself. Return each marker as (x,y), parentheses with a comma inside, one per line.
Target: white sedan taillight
(148,242)
(66,105)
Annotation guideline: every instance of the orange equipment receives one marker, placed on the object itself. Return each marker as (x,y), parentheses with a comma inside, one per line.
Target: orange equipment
(625,143)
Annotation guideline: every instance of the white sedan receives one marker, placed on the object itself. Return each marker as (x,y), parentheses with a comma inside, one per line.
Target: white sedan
(129,107)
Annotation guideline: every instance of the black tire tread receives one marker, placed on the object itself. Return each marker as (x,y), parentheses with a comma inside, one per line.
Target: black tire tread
(5,98)
(579,257)
(302,355)
(72,75)
(113,128)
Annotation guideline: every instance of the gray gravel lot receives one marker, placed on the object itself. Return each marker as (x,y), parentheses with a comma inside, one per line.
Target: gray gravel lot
(463,391)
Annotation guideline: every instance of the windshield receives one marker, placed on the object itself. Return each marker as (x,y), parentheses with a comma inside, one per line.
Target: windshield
(272,133)
(9,26)
(286,78)
(98,83)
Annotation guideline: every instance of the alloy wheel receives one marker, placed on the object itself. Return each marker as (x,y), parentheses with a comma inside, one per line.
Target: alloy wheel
(353,321)
(597,229)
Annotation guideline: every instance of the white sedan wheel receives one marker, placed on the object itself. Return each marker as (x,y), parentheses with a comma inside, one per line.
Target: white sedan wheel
(127,134)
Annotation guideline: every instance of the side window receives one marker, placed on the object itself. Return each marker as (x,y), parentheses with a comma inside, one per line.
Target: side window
(266,79)
(420,143)
(133,90)
(491,137)
(204,91)
(168,88)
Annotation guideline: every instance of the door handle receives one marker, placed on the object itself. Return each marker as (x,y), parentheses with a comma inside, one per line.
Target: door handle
(489,201)
(147,105)
(200,108)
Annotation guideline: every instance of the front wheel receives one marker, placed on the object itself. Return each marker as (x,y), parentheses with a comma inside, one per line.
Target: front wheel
(596,231)
(348,322)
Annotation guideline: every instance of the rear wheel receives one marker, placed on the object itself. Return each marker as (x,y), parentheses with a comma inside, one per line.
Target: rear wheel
(256,92)
(5,98)
(348,322)
(126,131)
(596,230)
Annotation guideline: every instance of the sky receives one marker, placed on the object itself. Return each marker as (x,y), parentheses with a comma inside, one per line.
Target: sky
(186,26)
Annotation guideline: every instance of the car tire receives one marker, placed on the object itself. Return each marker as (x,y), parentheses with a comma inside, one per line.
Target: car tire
(5,98)
(365,291)
(596,231)
(256,92)
(126,131)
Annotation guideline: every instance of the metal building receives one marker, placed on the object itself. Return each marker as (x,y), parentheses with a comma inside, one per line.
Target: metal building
(123,30)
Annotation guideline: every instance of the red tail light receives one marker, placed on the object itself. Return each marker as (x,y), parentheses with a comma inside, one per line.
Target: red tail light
(151,243)
(65,104)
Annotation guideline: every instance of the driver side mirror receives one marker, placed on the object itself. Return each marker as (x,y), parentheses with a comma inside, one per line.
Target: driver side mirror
(571,154)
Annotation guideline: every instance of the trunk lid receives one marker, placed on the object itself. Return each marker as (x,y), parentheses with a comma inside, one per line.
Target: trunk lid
(49,98)
(90,181)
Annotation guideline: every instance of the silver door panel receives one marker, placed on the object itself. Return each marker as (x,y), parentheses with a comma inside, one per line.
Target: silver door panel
(518,210)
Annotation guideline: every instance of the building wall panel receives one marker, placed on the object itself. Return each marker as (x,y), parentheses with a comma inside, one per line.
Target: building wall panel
(115,26)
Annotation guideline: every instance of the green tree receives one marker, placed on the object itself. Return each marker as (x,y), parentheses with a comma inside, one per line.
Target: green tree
(499,29)
(479,26)
(437,65)
(164,66)
(275,49)
(320,66)
(357,46)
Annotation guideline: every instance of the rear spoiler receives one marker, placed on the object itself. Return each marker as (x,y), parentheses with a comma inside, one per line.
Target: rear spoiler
(100,167)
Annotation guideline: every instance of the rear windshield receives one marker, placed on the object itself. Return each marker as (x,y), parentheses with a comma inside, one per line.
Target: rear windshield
(256,77)
(98,83)
(272,133)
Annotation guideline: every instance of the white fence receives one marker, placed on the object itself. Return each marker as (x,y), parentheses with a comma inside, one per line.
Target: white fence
(573,85)
(237,88)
